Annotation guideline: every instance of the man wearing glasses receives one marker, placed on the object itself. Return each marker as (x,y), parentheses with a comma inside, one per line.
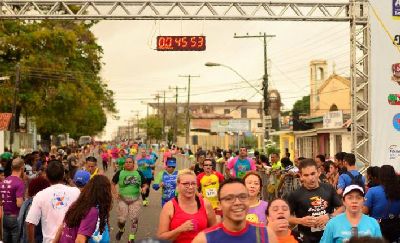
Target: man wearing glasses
(209,182)
(234,201)
(351,223)
(240,165)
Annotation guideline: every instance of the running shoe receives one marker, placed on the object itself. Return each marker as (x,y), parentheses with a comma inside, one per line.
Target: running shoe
(119,234)
(131,238)
(146,202)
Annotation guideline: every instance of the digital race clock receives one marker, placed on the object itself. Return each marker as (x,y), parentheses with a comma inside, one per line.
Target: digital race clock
(181,43)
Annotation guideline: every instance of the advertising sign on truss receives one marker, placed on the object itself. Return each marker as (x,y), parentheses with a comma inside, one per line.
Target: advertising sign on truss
(385,81)
(232,125)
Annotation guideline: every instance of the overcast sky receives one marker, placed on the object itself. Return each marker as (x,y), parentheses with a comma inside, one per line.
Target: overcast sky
(134,70)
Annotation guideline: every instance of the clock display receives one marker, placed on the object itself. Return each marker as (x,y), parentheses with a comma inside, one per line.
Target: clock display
(181,43)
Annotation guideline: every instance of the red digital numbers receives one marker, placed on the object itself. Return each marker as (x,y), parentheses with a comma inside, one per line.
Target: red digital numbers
(181,43)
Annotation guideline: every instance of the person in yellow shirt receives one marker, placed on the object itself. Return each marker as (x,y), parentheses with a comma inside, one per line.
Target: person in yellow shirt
(275,162)
(209,182)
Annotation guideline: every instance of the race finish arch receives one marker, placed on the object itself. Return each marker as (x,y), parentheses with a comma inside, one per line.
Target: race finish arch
(355,12)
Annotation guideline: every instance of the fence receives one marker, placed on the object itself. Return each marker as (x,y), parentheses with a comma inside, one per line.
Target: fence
(23,142)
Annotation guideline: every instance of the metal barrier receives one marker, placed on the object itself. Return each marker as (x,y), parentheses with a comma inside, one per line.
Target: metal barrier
(182,162)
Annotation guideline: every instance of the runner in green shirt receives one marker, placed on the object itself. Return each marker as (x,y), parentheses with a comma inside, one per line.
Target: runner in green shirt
(131,183)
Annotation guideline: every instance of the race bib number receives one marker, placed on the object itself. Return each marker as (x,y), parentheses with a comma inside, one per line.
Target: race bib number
(211,192)
(314,229)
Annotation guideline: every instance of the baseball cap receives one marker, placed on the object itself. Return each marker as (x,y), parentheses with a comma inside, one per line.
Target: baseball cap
(171,162)
(351,188)
(81,178)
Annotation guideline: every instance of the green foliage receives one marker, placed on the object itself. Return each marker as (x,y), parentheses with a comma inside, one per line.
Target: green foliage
(60,84)
(302,107)
(249,141)
(272,148)
(153,126)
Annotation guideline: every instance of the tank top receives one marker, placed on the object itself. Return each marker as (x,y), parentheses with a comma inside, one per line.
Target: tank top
(199,220)
(254,233)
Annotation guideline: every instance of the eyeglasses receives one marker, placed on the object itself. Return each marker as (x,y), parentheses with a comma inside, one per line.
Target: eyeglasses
(188,184)
(170,166)
(243,197)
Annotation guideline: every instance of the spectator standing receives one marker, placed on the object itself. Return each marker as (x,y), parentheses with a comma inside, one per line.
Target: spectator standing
(339,161)
(12,194)
(50,205)
(333,174)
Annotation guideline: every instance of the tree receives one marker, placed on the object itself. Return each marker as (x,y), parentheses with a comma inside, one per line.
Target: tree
(60,85)
(153,126)
(302,107)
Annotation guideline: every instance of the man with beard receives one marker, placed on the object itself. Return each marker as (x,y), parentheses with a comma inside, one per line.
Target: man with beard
(234,228)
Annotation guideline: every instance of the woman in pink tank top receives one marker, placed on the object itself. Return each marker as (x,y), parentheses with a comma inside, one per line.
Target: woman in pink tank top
(186,215)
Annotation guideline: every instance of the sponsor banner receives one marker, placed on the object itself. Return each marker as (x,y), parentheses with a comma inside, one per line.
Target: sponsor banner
(233,125)
(396,9)
(394,154)
(394,99)
(333,119)
(385,81)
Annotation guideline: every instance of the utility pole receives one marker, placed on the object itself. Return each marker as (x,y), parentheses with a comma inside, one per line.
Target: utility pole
(187,140)
(176,112)
(136,113)
(164,116)
(157,97)
(265,78)
(14,107)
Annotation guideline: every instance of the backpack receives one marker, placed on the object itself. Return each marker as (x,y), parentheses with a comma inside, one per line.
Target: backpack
(356,180)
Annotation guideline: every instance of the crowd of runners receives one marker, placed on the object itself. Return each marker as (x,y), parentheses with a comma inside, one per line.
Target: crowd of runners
(215,196)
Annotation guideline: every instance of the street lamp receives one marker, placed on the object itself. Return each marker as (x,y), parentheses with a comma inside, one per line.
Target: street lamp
(214,64)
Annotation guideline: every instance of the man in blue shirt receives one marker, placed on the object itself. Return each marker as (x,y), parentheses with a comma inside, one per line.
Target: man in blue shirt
(346,179)
(351,223)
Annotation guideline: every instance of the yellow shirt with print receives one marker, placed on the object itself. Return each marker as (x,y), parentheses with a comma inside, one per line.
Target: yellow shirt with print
(209,189)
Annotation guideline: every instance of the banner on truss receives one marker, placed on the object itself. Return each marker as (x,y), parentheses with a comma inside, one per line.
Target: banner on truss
(385,82)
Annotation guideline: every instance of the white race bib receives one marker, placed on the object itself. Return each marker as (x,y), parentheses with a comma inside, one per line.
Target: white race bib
(211,192)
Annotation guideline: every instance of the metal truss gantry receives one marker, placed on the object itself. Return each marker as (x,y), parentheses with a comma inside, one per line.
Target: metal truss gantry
(355,12)
(174,10)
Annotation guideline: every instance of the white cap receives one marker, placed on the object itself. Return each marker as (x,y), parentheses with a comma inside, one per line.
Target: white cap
(351,188)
